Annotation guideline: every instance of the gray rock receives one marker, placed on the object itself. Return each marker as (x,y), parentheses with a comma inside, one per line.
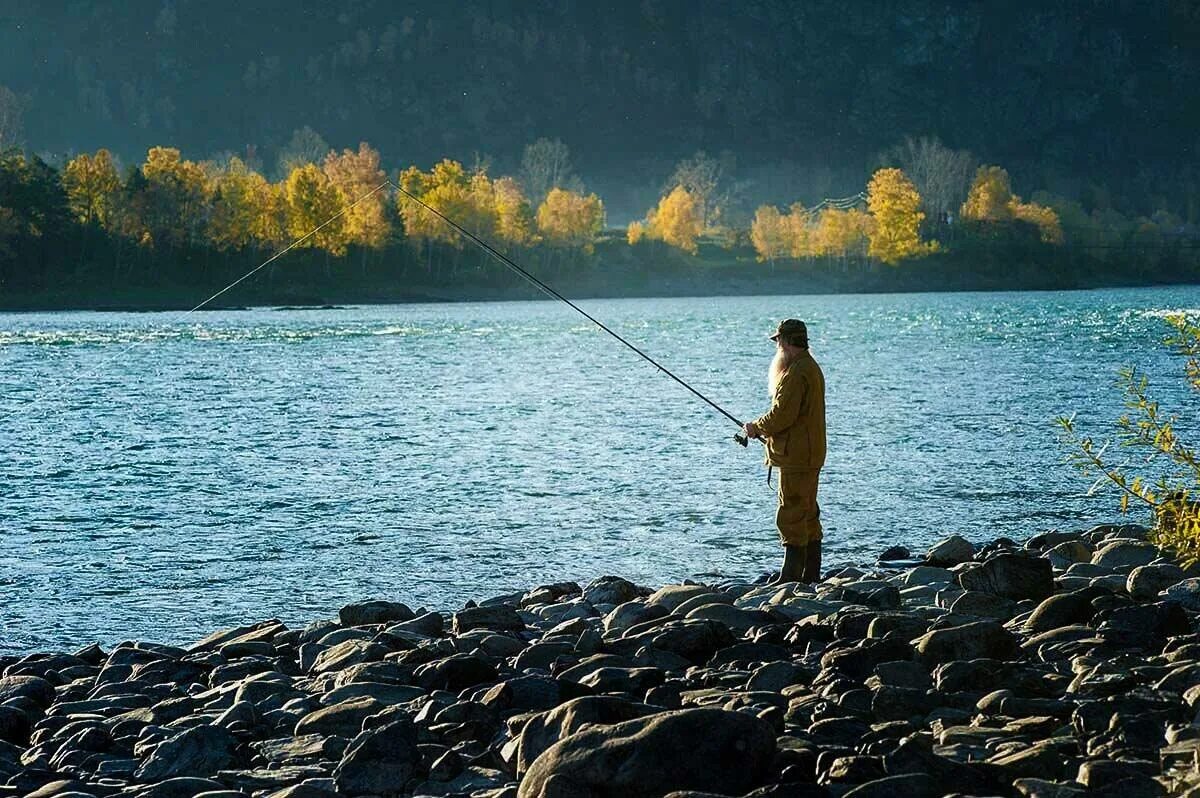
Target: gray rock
(342,720)
(198,752)
(671,596)
(1014,576)
(430,624)
(631,613)
(347,653)
(736,620)
(180,787)
(363,613)
(547,728)
(35,688)
(984,605)
(951,551)
(1125,554)
(697,749)
(379,761)
(1041,788)
(980,640)
(1185,593)
(499,618)
(1068,553)
(908,785)
(1146,581)
(1063,609)
(611,590)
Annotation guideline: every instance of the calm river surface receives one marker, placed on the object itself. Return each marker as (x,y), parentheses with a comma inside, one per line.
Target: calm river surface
(161,478)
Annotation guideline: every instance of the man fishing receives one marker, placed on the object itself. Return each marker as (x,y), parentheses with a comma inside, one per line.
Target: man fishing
(794,431)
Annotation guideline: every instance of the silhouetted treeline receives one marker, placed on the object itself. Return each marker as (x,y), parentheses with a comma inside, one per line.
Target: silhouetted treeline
(1093,100)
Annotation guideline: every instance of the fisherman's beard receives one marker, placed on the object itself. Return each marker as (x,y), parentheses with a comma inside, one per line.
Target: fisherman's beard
(778,367)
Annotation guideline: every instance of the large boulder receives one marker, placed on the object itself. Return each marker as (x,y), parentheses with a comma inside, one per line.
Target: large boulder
(1125,554)
(951,551)
(1014,576)
(690,749)
(546,728)
(1064,609)
(198,752)
(379,761)
(611,590)
(980,640)
(371,612)
(497,618)
(1146,581)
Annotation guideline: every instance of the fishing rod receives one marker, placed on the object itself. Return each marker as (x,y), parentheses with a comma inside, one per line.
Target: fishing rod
(508,262)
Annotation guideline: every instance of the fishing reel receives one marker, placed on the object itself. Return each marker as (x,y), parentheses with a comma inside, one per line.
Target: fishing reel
(741,439)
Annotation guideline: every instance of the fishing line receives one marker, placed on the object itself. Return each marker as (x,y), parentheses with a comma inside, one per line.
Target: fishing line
(63,386)
(508,262)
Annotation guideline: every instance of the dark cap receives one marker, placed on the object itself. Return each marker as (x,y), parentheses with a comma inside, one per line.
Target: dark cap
(791,329)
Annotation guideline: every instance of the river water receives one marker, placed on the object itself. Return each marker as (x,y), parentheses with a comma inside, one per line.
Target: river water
(162,477)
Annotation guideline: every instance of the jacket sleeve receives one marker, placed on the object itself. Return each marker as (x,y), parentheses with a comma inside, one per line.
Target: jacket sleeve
(785,406)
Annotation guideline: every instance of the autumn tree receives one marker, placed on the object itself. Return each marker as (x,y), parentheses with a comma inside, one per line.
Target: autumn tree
(635,233)
(941,175)
(704,178)
(358,176)
(799,229)
(92,185)
(570,219)
(841,233)
(447,188)
(769,234)
(990,197)
(246,209)
(895,207)
(514,215)
(546,164)
(174,197)
(313,205)
(676,221)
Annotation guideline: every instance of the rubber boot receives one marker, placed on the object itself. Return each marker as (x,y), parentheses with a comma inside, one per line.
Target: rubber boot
(812,563)
(794,563)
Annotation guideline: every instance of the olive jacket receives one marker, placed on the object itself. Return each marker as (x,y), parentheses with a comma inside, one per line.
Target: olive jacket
(794,427)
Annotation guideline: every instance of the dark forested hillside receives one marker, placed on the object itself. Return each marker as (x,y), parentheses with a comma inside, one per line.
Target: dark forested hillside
(1095,99)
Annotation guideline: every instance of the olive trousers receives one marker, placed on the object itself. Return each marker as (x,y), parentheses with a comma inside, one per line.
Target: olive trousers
(799,515)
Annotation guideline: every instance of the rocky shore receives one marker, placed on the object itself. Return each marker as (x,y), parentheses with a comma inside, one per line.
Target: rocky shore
(1066,665)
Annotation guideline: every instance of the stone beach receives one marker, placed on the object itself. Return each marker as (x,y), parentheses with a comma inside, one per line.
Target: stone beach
(1064,665)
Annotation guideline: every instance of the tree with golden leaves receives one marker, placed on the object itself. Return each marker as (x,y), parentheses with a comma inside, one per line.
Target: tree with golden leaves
(895,207)
(991,200)
(676,220)
(798,227)
(514,215)
(173,209)
(356,175)
(313,202)
(769,234)
(635,233)
(245,209)
(568,219)
(989,197)
(92,185)
(841,233)
(466,199)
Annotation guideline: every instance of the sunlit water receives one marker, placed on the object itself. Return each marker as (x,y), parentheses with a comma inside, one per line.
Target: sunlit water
(162,478)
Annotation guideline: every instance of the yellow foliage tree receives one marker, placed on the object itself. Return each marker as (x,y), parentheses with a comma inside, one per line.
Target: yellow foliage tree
(769,233)
(467,200)
(312,200)
(800,234)
(568,219)
(895,207)
(514,215)
(990,196)
(635,233)
(356,175)
(176,191)
(245,209)
(677,220)
(991,200)
(92,183)
(841,233)
(1041,217)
